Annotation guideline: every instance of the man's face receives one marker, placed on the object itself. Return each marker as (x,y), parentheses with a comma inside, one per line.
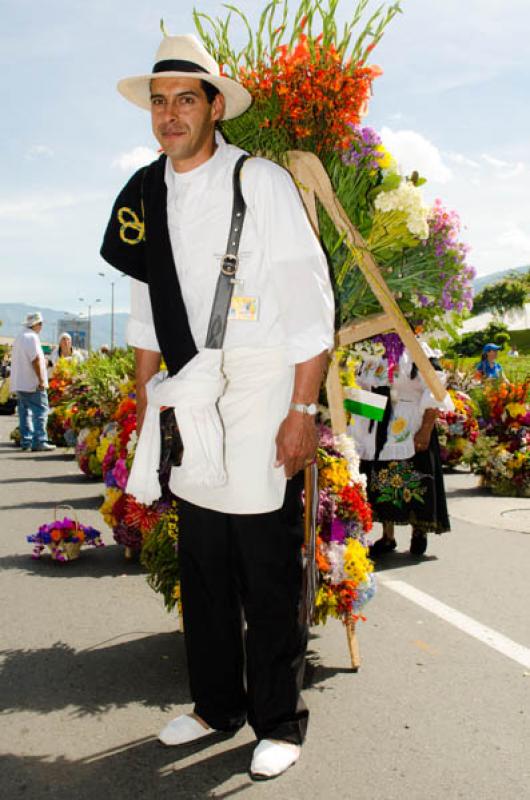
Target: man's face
(183,120)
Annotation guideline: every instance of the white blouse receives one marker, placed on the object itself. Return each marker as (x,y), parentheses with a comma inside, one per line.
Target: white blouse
(410,397)
(283,274)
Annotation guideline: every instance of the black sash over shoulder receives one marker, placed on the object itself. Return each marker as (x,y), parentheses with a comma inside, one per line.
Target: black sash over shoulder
(137,243)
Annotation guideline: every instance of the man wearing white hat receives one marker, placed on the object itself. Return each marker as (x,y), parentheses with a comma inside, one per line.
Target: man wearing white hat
(246,347)
(29,379)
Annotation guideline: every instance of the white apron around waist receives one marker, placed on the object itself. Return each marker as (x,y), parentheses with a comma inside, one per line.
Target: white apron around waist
(255,402)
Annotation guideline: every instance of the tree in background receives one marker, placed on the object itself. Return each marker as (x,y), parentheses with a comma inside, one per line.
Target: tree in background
(508,294)
(471,344)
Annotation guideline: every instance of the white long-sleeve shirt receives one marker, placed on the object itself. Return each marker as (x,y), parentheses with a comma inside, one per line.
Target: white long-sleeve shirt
(282,270)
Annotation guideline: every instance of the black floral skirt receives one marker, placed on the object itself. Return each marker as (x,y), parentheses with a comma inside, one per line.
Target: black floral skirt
(409,492)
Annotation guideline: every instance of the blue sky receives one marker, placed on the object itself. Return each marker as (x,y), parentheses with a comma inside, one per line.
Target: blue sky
(453,102)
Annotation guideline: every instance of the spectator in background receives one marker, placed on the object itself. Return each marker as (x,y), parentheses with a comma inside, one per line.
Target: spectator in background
(64,349)
(513,351)
(488,367)
(30,382)
(104,350)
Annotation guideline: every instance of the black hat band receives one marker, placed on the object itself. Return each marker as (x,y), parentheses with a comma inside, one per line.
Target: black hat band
(176,65)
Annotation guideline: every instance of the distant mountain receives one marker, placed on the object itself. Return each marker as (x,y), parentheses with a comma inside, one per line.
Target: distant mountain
(13,315)
(493,277)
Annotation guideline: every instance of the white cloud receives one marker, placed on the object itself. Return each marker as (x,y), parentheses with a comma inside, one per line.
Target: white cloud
(462,161)
(135,158)
(505,169)
(39,208)
(495,162)
(37,151)
(413,151)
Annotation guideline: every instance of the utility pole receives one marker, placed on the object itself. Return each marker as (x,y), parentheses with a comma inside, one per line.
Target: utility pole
(112,283)
(89,317)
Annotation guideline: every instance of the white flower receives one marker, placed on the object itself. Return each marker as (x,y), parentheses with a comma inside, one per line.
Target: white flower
(346,446)
(408,199)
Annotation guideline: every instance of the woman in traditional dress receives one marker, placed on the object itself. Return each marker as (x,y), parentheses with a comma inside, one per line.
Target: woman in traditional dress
(400,455)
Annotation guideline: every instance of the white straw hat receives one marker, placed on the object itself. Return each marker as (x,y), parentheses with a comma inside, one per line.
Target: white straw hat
(180,57)
(33,319)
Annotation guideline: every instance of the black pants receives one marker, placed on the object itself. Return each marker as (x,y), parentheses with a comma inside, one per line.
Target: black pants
(236,568)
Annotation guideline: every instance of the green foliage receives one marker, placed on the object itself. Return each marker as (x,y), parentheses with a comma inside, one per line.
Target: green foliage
(311,17)
(471,344)
(505,295)
(159,556)
(104,373)
(521,340)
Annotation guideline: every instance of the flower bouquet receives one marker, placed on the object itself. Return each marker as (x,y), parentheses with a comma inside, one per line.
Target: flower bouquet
(86,452)
(64,538)
(311,82)
(502,451)
(457,430)
(344,518)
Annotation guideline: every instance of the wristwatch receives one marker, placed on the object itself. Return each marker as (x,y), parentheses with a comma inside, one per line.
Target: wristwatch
(304,408)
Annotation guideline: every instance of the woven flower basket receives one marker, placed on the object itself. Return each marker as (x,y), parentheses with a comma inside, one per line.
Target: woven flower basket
(64,538)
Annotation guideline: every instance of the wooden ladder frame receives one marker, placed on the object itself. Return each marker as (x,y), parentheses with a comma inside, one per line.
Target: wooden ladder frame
(314,183)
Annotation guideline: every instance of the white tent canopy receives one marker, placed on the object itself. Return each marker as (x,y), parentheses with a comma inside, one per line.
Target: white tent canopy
(518,320)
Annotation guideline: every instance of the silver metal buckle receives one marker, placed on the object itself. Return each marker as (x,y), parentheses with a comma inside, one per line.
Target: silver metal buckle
(229,265)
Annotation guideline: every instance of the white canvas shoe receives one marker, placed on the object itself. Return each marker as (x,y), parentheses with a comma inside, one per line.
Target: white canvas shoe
(182,730)
(270,758)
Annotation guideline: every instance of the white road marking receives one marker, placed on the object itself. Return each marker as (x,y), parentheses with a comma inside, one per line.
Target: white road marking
(517,652)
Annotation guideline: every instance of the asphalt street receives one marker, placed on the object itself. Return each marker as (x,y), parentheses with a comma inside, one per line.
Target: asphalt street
(93,666)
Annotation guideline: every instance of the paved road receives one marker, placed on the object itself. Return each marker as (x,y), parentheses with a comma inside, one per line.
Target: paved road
(92,668)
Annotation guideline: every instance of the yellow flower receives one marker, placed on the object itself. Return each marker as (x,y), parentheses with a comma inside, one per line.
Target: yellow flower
(386,160)
(101,450)
(516,410)
(334,473)
(357,565)
(407,495)
(399,425)
(396,481)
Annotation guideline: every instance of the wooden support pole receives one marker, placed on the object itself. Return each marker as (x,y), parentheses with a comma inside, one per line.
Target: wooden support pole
(365,329)
(313,181)
(353,645)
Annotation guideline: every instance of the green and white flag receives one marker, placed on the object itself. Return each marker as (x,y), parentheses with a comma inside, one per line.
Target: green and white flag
(366,404)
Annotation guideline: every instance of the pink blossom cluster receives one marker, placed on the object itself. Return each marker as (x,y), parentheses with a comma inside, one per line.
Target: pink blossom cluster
(451,255)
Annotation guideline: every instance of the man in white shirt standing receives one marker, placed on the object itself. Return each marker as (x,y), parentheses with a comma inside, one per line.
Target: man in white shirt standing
(240,523)
(29,379)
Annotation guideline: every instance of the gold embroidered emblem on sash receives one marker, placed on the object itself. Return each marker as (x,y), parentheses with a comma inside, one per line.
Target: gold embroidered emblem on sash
(129,221)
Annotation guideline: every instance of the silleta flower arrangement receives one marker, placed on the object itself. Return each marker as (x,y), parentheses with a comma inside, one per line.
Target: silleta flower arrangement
(311,81)
(85,452)
(502,451)
(457,430)
(344,518)
(64,539)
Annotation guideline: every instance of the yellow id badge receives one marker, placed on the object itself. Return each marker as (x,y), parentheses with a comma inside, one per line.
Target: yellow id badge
(244,309)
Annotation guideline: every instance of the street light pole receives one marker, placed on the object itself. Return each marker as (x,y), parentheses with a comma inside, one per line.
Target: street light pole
(89,316)
(112,284)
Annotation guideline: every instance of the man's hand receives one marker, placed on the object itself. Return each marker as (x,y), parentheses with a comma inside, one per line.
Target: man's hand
(296,442)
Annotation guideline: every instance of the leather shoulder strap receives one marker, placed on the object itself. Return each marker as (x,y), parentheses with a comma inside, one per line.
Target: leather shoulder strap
(229,264)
